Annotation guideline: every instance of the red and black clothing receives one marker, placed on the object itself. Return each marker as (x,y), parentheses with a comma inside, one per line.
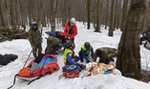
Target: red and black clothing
(70,31)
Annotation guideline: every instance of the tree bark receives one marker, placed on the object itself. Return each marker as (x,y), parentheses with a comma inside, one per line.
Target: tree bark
(112,19)
(97,27)
(53,14)
(124,13)
(2,22)
(128,61)
(88,7)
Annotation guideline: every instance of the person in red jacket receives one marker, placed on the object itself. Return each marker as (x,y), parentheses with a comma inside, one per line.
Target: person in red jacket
(71,30)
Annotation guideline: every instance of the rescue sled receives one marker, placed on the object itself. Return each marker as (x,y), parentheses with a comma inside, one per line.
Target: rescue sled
(47,65)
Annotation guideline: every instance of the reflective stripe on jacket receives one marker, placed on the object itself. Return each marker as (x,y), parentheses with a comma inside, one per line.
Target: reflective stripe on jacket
(65,54)
(84,49)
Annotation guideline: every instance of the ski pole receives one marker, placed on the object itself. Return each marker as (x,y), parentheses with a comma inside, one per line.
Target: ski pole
(60,77)
(27,59)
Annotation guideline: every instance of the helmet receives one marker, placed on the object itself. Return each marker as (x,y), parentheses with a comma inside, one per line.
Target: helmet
(72,20)
(34,25)
(87,45)
(69,43)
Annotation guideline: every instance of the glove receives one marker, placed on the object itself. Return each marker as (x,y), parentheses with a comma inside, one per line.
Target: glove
(61,34)
(68,38)
(73,54)
(82,66)
(88,61)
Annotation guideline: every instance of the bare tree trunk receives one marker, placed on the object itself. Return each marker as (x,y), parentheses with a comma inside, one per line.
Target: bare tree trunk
(112,21)
(125,12)
(107,14)
(23,12)
(145,19)
(97,28)
(88,7)
(53,13)
(12,12)
(119,14)
(64,18)
(128,61)
(2,22)
(6,12)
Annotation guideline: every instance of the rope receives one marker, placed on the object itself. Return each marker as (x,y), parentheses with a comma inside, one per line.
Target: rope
(16,74)
(13,82)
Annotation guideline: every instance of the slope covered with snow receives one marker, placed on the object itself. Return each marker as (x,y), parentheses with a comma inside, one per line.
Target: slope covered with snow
(22,49)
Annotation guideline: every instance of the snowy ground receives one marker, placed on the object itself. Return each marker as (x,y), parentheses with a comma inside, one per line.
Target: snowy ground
(22,49)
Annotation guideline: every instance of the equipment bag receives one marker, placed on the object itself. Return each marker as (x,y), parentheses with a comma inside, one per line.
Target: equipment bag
(70,71)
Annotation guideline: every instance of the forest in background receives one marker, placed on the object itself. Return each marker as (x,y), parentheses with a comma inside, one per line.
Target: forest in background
(131,16)
(110,13)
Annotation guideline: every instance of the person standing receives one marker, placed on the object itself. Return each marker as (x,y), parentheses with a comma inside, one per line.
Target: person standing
(71,30)
(35,39)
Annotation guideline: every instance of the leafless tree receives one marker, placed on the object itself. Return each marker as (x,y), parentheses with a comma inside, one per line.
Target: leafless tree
(112,20)
(128,61)
(88,8)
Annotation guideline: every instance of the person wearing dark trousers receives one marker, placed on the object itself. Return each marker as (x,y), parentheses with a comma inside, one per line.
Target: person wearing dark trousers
(35,39)
(71,30)
(70,58)
(105,55)
(53,45)
(86,52)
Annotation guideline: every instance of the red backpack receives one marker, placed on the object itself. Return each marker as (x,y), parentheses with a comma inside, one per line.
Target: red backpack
(70,71)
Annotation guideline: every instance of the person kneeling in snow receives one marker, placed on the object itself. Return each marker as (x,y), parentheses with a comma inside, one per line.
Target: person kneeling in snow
(53,45)
(58,34)
(86,52)
(70,58)
(105,54)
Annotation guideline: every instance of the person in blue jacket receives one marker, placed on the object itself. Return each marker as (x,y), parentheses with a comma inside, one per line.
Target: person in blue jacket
(86,52)
(69,56)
